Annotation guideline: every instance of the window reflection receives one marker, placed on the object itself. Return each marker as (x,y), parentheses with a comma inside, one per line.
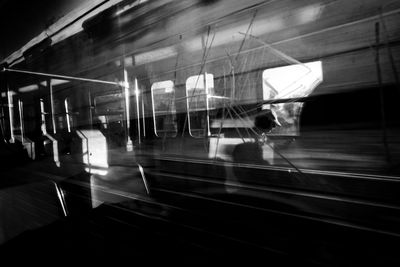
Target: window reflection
(198,90)
(164,110)
(290,82)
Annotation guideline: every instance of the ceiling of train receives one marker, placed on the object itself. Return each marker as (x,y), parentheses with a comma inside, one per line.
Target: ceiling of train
(23,20)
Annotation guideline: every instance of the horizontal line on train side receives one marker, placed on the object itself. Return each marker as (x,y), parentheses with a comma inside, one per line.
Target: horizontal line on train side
(328,221)
(393,12)
(250,187)
(134,196)
(389,13)
(194,228)
(282,191)
(285,169)
(260,188)
(160,218)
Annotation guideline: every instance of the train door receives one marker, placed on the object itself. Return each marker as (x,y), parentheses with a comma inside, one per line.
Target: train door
(199,88)
(109,117)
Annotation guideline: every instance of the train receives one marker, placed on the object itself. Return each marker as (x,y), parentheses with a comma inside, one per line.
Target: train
(268,115)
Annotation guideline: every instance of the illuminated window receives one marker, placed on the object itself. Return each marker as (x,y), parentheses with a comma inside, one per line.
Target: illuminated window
(290,82)
(198,90)
(164,110)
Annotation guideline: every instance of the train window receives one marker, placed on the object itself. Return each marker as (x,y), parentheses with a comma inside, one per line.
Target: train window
(198,90)
(290,82)
(164,110)
(59,114)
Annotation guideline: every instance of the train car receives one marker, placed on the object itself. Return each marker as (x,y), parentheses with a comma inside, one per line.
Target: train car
(256,118)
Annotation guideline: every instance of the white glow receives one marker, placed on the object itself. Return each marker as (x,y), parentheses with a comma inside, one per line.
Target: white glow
(28,88)
(61,198)
(43,117)
(94,148)
(155,55)
(309,13)
(67,114)
(197,82)
(96,171)
(54,82)
(144,179)
(11,114)
(130,6)
(292,81)
(137,109)
(163,87)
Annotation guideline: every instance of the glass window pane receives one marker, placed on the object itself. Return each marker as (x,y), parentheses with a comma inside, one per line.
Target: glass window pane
(164,110)
(198,89)
(290,82)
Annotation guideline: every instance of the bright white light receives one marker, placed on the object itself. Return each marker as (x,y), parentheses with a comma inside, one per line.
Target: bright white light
(96,171)
(94,150)
(155,55)
(309,13)
(67,113)
(10,95)
(163,87)
(130,6)
(28,88)
(292,81)
(54,82)
(197,82)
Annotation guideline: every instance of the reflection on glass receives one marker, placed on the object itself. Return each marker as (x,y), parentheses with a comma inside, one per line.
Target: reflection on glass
(198,90)
(164,110)
(94,150)
(45,133)
(67,113)
(110,103)
(289,82)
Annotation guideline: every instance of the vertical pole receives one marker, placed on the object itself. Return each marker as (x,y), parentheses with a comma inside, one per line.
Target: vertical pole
(382,101)
(53,119)
(207,132)
(67,114)
(129,145)
(43,117)
(21,119)
(11,113)
(137,109)
(143,118)
(90,109)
